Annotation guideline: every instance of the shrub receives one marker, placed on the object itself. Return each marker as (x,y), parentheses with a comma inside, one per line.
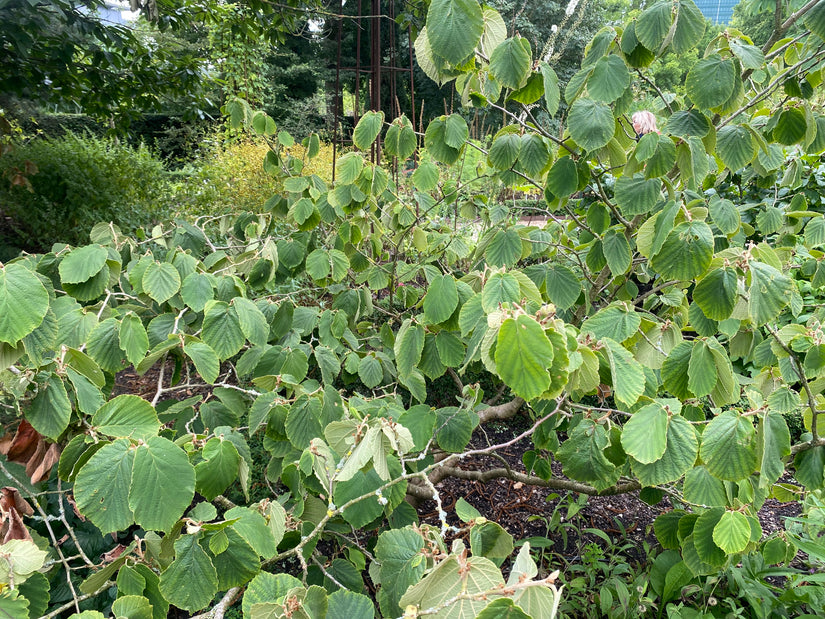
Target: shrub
(231,179)
(77,182)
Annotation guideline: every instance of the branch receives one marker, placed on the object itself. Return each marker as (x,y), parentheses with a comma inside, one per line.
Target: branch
(219,610)
(502,411)
(532,480)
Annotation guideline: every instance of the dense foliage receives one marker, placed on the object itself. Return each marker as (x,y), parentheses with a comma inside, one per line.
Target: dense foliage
(656,332)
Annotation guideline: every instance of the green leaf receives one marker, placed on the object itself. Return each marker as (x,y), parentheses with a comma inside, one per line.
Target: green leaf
(609,79)
(628,376)
(450,349)
(82,264)
(456,131)
(687,251)
(773,439)
(552,96)
(500,288)
(266,587)
(132,607)
(715,294)
(441,298)
(591,123)
(510,62)
(490,540)
(222,330)
(127,416)
(205,359)
(102,487)
(706,549)
(370,371)
(728,447)
(409,345)
(653,24)
(454,28)
(36,590)
(254,529)
(701,370)
(50,411)
(809,468)
(616,251)
(401,565)
(425,177)
(533,155)
(367,129)
(732,533)
(505,248)
(618,322)
(702,488)
(711,81)
(791,126)
(562,285)
(348,168)
(343,604)
(563,178)
(725,215)
(191,581)
(24,303)
(685,124)
(735,146)
(769,292)
(163,484)
(161,281)
(252,321)
(219,468)
(644,436)
(815,20)
(679,456)
(523,355)
(133,339)
(502,608)
(504,150)
(637,196)
(400,140)
(582,454)
(690,27)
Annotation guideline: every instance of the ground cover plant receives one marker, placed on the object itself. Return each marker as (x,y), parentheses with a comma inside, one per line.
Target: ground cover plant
(655,333)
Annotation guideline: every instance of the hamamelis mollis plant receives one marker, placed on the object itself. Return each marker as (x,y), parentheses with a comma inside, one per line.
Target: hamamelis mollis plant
(653,334)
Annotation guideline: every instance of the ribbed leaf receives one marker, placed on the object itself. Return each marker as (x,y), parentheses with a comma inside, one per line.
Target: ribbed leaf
(769,292)
(127,416)
(628,376)
(728,447)
(102,487)
(679,456)
(609,79)
(523,355)
(591,123)
(644,436)
(205,359)
(367,129)
(82,264)
(687,251)
(716,293)
(454,28)
(163,484)
(50,411)
(222,329)
(711,81)
(510,62)
(191,581)
(637,196)
(732,533)
(24,303)
(735,146)
(441,298)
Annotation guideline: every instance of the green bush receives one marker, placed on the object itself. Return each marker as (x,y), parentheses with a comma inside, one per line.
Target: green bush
(74,183)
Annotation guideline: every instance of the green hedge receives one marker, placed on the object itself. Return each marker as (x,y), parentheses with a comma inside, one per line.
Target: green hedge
(78,182)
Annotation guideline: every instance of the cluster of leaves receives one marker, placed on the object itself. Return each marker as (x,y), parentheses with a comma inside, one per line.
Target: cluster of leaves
(697,329)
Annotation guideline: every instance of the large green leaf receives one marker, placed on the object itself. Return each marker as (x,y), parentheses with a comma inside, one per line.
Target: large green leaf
(582,454)
(774,440)
(163,484)
(562,285)
(400,140)
(533,155)
(690,27)
(706,548)
(441,299)
(715,294)
(454,28)
(50,411)
(609,79)
(685,124)
(591,123)
(701,370)
(82,264)
(367,129)
(191,581)
(127,416)
(505,150)
(345,604)
(504,249)
(132,337)
(618,322)
(102,487)
(769,292)
(435,141)
(628,376)
(679,456)
(711,81)
(500,288)
(523,355)
(401,565)
(732,533)
(222,329)
(409,344)
(510,62)
(702,488)
(161,281)
(653,24)
(687,251)
(616,250)
(637,196)
(205,359)
(644,436)
(563,177)
(735,146)
(728,446)
(24,303)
